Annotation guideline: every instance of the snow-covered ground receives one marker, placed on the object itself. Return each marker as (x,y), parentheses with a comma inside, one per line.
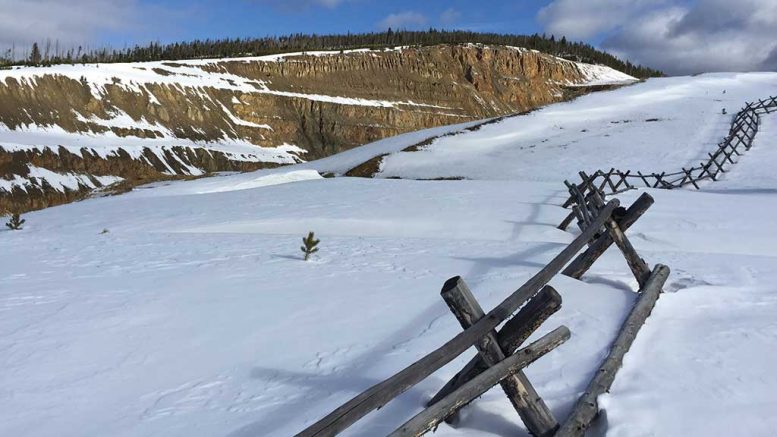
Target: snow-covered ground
(673,121)
(195,315)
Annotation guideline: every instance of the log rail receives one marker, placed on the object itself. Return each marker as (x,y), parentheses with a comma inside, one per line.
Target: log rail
(500,358)
(744,127)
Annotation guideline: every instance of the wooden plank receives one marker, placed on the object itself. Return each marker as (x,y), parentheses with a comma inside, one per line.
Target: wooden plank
(529,405)
(510,337)
(581,222)
(581,203)
(728,156)
(706,169)
(637,265)
(647,184)
(586,408)
(577,268)
(609,179)
(604,181)
(566,222)
(589,183)
(623,180)
(383,392)
(429,418)
(586,182)
(659,179)
(690,178)
(713,159)
(684,178)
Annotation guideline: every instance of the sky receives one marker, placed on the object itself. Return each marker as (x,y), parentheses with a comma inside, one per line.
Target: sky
(676,36)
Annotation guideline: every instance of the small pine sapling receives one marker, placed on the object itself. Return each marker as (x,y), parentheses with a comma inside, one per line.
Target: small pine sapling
(309,245)
(16,222)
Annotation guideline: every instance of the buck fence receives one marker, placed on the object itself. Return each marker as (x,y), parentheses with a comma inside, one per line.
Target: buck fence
(744,127)
(501,355)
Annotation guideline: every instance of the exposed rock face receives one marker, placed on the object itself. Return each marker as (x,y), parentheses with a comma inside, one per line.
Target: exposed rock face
(97,124)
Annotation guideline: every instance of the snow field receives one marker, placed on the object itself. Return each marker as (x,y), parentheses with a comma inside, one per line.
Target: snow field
(194,314)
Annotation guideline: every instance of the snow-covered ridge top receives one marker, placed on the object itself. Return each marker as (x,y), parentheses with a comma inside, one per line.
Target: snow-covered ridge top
(602,75)
(135,76)
(593,74)
(192,73)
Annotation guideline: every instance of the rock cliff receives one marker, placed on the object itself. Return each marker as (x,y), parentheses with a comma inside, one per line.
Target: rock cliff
(70,129)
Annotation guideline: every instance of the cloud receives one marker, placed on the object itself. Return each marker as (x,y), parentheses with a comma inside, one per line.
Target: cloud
(678,37)
(403,20)
(293,6)
(585,19)
(450,16)
(77,22)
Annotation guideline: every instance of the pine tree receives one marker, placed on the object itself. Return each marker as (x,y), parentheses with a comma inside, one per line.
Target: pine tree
(16,222)
(210,48)
(309,245)
(35,56)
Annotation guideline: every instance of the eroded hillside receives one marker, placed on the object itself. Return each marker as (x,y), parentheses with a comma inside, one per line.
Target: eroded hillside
(67,130)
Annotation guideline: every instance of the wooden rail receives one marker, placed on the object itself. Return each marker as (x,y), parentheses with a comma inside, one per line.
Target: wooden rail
(383,392)
(499,359)
(429,418)
(587,408)
(744,127)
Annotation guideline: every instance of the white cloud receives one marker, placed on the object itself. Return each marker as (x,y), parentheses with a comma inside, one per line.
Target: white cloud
(292,6)
(79,22)
(403,20)
(329,3)
(678,37)
(71,22)
(450,16)
(584,19)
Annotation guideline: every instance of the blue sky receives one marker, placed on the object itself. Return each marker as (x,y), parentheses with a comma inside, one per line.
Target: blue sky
(215,19)
(676,36)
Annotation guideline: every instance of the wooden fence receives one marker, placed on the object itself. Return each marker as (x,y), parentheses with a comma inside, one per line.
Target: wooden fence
(500,358)
(744,127)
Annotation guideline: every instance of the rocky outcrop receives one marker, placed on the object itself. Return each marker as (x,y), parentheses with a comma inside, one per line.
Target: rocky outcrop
(66,130)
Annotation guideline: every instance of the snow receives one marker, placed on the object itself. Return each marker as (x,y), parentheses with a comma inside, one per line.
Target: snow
(195,77)
(58,181)
(602,75)
(35,137)
(191,75)
(121,119)
(660,125)
(195,315)
(241,122)
(259,181)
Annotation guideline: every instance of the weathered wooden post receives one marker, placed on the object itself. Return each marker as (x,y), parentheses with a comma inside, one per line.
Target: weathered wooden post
(427,419)
(512,335)
(577,268)
(637,265)
(383,392)
(529,405)
(587,407)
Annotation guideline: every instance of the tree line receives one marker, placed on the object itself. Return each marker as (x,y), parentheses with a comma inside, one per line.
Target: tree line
(52,54)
